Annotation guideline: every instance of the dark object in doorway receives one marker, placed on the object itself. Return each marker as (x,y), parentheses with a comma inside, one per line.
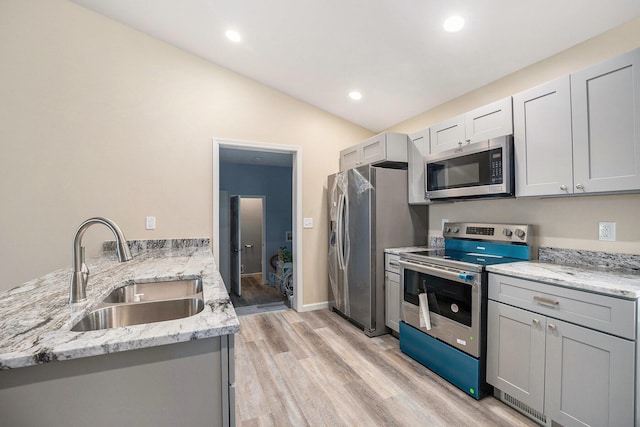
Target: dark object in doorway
(272,261)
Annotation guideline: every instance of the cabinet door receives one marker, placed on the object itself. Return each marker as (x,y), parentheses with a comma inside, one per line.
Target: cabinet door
(516,353)
(542,139)
(606,125)
(392,300)
(589,377)
(418,146)
(350,158)
(374,149)
(446,135)
(489,121)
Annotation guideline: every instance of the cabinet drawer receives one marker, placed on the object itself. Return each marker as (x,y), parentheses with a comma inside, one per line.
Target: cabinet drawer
(612,315)
(391,263)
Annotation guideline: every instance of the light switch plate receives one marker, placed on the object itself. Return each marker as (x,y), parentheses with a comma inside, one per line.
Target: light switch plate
(150,223)
(307,223)
(607,231)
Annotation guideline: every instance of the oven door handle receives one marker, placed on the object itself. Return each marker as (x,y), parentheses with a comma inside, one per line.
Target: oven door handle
(444,274)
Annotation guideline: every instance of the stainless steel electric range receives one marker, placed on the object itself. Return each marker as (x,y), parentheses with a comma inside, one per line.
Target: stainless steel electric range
(445,299)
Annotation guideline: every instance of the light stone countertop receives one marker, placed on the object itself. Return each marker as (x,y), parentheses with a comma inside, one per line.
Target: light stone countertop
(619,283)
(398,251)
(36,318)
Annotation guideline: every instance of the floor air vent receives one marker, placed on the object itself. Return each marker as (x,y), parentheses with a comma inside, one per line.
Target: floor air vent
(524,408)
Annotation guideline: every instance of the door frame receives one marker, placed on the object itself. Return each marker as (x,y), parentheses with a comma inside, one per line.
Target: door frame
(296,202)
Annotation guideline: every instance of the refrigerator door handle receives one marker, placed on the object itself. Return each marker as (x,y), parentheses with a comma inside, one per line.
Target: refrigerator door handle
(339,232)
(347,254)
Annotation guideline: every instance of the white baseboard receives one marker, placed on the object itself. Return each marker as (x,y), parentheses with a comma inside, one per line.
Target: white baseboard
(315,306)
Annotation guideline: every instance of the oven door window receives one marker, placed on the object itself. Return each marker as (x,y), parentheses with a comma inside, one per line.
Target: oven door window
(446,298)
(484,168)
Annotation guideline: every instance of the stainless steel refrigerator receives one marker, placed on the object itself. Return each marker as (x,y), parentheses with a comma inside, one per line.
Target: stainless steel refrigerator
(368,212)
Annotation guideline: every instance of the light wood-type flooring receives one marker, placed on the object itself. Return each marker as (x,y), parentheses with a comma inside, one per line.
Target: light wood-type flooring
(255,293)
(317,369)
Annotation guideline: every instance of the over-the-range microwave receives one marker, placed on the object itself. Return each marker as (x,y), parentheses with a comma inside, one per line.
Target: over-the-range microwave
(480,169)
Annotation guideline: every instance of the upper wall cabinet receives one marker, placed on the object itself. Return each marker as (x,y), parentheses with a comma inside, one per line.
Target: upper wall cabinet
(601,104)
(385,147)
(418,147)
(542,139)
(489,121)
(606,125)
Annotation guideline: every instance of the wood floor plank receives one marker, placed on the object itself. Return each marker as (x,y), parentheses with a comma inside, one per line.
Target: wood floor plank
(252,404)
(368,372)
(349,413)
(318,408)
(254,292)
(273,387)
(315,368)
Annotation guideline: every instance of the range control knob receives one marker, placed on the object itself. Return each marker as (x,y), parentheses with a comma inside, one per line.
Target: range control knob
(447,229)
(520,233)
(456,229)
(507,232)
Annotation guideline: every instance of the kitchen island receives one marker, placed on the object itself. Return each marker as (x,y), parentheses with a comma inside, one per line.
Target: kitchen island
(177,372)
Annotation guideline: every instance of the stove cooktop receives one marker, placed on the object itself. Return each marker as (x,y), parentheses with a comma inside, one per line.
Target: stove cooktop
(460,256)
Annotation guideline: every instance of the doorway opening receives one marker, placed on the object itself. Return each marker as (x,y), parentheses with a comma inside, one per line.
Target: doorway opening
(247,175)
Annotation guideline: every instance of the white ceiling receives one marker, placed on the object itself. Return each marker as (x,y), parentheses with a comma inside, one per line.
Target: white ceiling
(394,51)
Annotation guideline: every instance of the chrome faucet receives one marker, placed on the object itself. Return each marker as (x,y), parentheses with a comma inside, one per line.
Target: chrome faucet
(80,273)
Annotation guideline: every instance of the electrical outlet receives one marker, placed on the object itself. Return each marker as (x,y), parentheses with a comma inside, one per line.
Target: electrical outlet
(607,231)
(150,223)
(307,223)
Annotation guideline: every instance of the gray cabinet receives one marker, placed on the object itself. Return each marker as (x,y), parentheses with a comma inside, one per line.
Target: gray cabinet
(542,139)
(589,377)
(384,147)
(190,383)
(562,355)
(392,291)
(580,133)
(486,122)
(418,147)
(606,125)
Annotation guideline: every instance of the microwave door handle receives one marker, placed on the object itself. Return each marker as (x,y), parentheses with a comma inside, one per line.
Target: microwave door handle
(444,274)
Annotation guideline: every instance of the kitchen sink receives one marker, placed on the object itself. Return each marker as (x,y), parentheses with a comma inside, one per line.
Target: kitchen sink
(115,316)
(154,291)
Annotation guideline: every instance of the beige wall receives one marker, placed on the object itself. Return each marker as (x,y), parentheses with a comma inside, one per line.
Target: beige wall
(100,120)
(561,222)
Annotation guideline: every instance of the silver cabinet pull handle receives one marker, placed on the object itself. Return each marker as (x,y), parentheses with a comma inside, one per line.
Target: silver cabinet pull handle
(563,187)
(552,327)
(580,187)
(546,301)
(536,322)
(394,264)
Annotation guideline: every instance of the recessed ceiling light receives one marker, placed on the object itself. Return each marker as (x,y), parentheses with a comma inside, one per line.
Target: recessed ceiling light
(355,95)
(234,36)
(453,24)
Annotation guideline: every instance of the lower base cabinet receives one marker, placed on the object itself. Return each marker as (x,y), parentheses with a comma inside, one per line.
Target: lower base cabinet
(392,292)
(185,384)
(558,372)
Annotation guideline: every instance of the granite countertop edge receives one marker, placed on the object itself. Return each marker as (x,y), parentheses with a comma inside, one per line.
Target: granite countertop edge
(36,318)
(398,251)
(611,282)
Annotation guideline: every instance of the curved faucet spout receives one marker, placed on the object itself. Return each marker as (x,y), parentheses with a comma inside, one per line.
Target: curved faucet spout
(80,274)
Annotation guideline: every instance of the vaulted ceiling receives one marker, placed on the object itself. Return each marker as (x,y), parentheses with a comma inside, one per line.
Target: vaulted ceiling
(395,52)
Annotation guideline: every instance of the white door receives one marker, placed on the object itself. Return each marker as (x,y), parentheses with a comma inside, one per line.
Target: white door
(234,244)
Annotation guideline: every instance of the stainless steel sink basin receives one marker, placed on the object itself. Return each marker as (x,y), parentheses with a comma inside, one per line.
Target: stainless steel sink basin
(135,314)
(154,291)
